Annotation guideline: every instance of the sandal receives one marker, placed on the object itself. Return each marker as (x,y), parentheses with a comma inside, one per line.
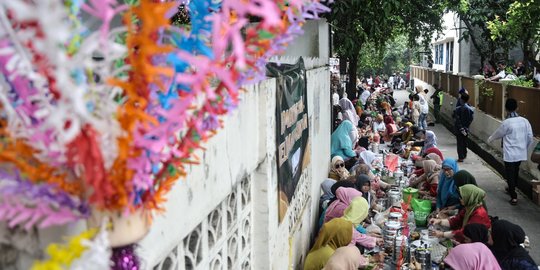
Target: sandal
(513,201)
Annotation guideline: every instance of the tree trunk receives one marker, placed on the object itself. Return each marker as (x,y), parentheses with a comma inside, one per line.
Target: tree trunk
(353,68)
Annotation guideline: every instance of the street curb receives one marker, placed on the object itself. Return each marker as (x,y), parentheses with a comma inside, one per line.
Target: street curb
(492,157)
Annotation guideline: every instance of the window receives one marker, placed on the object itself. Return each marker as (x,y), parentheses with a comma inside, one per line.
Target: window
(439,54)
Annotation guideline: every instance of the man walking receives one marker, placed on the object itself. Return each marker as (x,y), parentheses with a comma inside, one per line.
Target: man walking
(517,136)
(463,117)
(437,97)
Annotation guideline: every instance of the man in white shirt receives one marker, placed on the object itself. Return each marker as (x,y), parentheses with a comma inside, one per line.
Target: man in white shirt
(501,74)
(517,136)
(424,108)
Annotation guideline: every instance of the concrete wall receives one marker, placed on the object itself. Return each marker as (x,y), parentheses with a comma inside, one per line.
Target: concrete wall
(481,128)
(246,148)
(315,42)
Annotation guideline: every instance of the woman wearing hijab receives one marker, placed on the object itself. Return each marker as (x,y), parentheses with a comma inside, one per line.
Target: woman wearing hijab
(338,171)
(356,213)
(343,140)
(327,195)
(434,150)
(390,128)
(376,182)
(333,191)
(344,197)
(473,256)
(476,233)
(348,111)
(363,184)
(428,182)
(434,157)
(333,235)
(447,195)
(463,177)
(378,125)
(507,239)
(370,159)
(345,258)
(472,198)
(427,139)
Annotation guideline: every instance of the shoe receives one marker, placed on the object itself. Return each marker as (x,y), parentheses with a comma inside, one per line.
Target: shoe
(460,160)
(513,201)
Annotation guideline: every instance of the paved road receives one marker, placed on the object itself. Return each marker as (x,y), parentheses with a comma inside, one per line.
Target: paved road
(526,213)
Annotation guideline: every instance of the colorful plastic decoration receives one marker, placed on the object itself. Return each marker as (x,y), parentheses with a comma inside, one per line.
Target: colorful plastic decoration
(108,119)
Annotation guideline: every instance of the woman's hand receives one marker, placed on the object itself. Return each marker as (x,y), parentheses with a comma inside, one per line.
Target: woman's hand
(377,258)
(435,221)
(436,233)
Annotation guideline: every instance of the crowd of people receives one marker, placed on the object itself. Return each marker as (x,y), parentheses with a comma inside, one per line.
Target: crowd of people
(347,237)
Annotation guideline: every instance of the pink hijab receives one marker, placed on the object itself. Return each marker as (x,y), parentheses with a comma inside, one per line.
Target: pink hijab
(473,256)
(344,198)
(346,258)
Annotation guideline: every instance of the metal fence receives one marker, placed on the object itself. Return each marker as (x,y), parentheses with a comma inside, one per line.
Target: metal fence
(485,95)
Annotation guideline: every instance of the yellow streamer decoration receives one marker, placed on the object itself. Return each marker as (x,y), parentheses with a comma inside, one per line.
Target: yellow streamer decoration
(62,255)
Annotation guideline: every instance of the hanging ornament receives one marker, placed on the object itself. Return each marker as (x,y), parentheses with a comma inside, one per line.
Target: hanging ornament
(124,258)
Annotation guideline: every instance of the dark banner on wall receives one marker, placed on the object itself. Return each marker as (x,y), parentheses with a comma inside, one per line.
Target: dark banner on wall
(292,131)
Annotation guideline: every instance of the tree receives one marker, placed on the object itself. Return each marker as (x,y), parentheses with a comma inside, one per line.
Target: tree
(357,23)
(520,25)
(476,14)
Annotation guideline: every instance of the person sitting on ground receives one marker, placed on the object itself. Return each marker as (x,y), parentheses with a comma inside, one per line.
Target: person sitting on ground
(447,194)
(473,256)
(343,140)
(333,235)
(476,233)
(428,182)
(348,110)
(435,158)
(434,150)
(464,177)
(507,239)
(376,183)
(363,184)
(333,192)
(378,125)
(327,195)
(338,171)
(472,198)
(350,258)
(390,128)
(356,213)
(344,197)
(425,138)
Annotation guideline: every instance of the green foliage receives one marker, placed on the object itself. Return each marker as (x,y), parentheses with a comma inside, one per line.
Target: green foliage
(523,82)
(394,57)
(484,89)
(364,28)
(475,15)
(520,25)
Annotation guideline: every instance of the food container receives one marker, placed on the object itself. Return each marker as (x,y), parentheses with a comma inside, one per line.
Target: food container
(409,193)
(395,216)
(423,256)
(394,196)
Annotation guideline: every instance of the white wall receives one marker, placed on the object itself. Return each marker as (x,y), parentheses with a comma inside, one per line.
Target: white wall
(246,148)
(450,33)
(313,43)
